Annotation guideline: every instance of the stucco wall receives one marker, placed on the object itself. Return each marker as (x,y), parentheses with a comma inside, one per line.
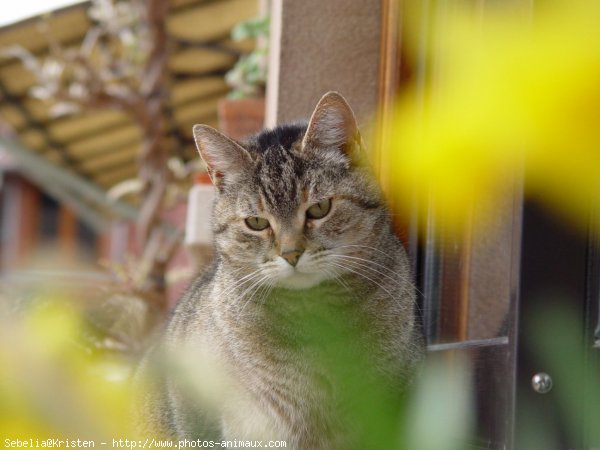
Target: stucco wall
(319,46)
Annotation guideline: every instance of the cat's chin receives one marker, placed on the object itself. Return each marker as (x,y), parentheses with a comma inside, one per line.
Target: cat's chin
(299,280)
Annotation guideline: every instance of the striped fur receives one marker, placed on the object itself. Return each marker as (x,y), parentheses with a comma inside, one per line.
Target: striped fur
(246,317)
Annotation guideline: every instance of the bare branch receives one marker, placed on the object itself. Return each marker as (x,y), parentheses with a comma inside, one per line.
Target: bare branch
(121,64)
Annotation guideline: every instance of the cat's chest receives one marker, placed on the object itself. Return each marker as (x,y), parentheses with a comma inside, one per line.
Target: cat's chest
(308,320)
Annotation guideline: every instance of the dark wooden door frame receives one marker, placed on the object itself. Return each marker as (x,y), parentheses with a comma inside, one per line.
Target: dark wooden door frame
(559,269)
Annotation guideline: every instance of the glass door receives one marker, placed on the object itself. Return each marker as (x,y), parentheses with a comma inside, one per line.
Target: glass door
(485,288)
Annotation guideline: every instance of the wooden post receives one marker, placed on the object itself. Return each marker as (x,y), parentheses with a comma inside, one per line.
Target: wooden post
(20,221)
(67,234)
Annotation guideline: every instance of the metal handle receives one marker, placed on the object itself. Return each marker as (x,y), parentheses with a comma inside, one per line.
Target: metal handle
(541,383)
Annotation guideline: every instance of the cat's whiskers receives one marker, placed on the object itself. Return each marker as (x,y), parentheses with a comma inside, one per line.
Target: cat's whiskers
(373,262)
(267,288)
(350,264)
(356,271)
(244,294)
(368,247)
(338,277)
(239,283)
(258,283)
(249,278)
(359,267)
(367,264)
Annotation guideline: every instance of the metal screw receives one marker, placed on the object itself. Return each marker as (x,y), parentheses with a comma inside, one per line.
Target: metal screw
(541,383)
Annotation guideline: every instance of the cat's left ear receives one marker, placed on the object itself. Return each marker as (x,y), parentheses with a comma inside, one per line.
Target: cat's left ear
(333,126)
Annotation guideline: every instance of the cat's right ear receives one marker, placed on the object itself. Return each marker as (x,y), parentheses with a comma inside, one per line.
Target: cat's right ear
(223,156)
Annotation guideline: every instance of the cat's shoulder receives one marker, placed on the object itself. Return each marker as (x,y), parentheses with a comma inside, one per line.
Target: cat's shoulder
(193,297)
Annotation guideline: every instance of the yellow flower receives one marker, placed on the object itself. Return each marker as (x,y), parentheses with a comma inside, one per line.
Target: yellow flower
(50,385)
(510,93)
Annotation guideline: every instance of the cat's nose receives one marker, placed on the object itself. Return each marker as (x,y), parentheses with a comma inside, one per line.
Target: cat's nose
(292,256)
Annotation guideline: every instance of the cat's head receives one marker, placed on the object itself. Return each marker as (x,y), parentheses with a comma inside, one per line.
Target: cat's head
(294,201)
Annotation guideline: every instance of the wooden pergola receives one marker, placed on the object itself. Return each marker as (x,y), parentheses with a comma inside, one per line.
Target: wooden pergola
(78,157)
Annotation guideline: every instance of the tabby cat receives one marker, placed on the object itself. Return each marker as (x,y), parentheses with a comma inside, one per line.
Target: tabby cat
(308,300)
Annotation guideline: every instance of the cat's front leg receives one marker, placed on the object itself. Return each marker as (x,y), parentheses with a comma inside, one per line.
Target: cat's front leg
(301,413)
(245,417)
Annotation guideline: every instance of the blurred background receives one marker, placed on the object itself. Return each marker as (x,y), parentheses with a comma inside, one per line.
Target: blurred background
(481,121)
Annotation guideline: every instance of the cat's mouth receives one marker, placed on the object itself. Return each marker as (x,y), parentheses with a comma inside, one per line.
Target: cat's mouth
(299,276)
(299,280)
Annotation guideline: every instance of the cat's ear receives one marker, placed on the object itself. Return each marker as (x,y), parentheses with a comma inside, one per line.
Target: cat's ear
(223,156)
(333,126)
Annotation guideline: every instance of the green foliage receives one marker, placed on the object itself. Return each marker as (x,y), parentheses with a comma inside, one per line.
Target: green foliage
(562,348)
(51,386)
(252,28)
(249,75)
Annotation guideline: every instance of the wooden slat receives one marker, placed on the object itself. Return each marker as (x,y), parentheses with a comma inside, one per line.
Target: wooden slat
(53,158)
(39,110)
(195,111)
(33,139)
(11,115)
(195,60)
(209,119)
(183,3)
(106,142)
(125,156)
(109,179)
(70,127)
(184,90)
(35,124)
(210,21)
(17,79)
(64,26)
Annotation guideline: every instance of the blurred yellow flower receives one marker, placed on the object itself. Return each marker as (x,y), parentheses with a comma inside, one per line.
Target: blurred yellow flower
(51,386)
(510,94)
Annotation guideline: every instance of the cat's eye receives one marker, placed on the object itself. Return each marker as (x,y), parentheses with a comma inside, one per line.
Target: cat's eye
(257,223)
(319,210)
